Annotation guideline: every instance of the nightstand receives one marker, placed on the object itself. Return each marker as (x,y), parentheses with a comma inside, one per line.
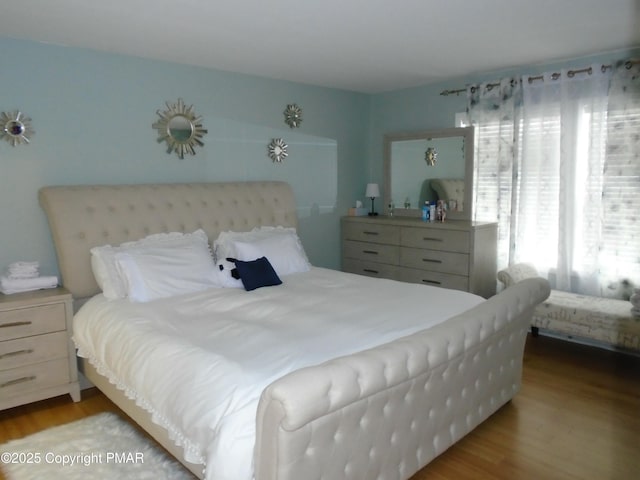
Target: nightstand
(37,355)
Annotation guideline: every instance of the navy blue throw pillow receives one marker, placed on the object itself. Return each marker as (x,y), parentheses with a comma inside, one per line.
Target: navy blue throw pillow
(257,273)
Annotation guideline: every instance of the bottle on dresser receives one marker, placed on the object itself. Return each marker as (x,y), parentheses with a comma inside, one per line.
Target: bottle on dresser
(426,212)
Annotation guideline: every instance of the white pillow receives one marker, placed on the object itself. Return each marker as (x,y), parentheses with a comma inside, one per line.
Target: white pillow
(160,271)
(224,245)
(103,262)
(284,252)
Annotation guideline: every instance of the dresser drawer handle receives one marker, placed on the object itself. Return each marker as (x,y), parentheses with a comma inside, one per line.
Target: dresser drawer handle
(366,232)
(368,270)
(14,324)
(431,260)
(432,239)
(370,252)
(17,352)
(17,381)
(433,282)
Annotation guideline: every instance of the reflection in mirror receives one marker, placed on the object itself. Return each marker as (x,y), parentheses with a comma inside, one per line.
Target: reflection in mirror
(180,128)
(15,128)
(410,179)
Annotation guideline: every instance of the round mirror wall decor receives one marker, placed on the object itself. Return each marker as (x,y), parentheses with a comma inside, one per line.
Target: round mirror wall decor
(180,128)
(277,150)
(15,127)
(293,115)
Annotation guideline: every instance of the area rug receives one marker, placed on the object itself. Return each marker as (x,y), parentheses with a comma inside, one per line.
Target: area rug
(101,447)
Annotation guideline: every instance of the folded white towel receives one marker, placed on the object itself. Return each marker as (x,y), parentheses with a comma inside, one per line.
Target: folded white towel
(16,275)
(23,270)
(17,285)
(22,264)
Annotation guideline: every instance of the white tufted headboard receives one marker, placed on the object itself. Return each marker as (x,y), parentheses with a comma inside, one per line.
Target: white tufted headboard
(85,216)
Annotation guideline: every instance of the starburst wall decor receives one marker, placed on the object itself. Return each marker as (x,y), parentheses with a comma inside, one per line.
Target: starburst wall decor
(15,127)
(293,115)
(277,150)
(180,128)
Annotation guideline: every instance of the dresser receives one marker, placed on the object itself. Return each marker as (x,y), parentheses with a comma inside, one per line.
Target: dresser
(37,355)
(455,254)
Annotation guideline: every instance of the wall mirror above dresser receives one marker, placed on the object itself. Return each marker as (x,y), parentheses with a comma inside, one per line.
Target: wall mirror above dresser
(428,166)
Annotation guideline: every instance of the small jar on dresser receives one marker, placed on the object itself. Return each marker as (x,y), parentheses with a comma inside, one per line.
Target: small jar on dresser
(455,254)
(37,355)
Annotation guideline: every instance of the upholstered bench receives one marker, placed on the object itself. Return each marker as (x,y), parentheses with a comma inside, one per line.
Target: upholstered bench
(605,320)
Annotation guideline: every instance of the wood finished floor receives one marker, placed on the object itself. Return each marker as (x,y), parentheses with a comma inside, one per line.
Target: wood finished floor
(576,417)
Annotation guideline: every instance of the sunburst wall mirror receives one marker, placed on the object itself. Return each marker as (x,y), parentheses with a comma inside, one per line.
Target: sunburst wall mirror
(431,156)
(15,127)
(180,128)
(293,115)
(277,150)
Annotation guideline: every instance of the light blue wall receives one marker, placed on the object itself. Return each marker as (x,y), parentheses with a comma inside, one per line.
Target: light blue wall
(92,114)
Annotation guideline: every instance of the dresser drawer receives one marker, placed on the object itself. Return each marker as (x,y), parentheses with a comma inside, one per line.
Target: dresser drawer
(435,239)
(34,377)
(23,322)
(371,269)
(371,252)
(436,279)
(35,349)
(365,232)
(436,260)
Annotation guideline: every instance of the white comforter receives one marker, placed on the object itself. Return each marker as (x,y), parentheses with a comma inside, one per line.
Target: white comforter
(199,362)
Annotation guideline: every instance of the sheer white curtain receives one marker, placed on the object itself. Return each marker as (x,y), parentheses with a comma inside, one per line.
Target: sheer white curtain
(558,166)
(559,208)
(493,110)
(619,253)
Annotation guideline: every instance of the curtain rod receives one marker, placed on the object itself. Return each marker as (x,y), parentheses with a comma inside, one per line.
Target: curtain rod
(628,64)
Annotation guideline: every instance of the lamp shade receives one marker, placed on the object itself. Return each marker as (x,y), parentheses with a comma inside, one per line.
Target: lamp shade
(373,191)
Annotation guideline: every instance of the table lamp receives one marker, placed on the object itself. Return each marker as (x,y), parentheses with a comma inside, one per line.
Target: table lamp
(373,191)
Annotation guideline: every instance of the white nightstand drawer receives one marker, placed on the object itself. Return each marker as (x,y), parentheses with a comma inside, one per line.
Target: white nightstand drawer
(438,261)
(371,252)
(34,377)
(35,349)
(371,232)
(435,239)
(24,322)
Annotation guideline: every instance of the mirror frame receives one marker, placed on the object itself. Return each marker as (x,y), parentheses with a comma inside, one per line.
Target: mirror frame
(467,135)
(8,123)
(163,125)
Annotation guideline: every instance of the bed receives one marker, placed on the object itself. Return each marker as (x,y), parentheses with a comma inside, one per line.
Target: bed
(382,407)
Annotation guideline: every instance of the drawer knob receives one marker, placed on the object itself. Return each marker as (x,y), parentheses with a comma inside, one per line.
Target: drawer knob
(431,260)
(14,324)
(366,232)
(432,282)
(17,352)
(370,252)
(17,381)
(368,270)
(431,239)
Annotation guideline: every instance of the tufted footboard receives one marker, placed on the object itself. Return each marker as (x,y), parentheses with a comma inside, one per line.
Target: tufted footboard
(388,411)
